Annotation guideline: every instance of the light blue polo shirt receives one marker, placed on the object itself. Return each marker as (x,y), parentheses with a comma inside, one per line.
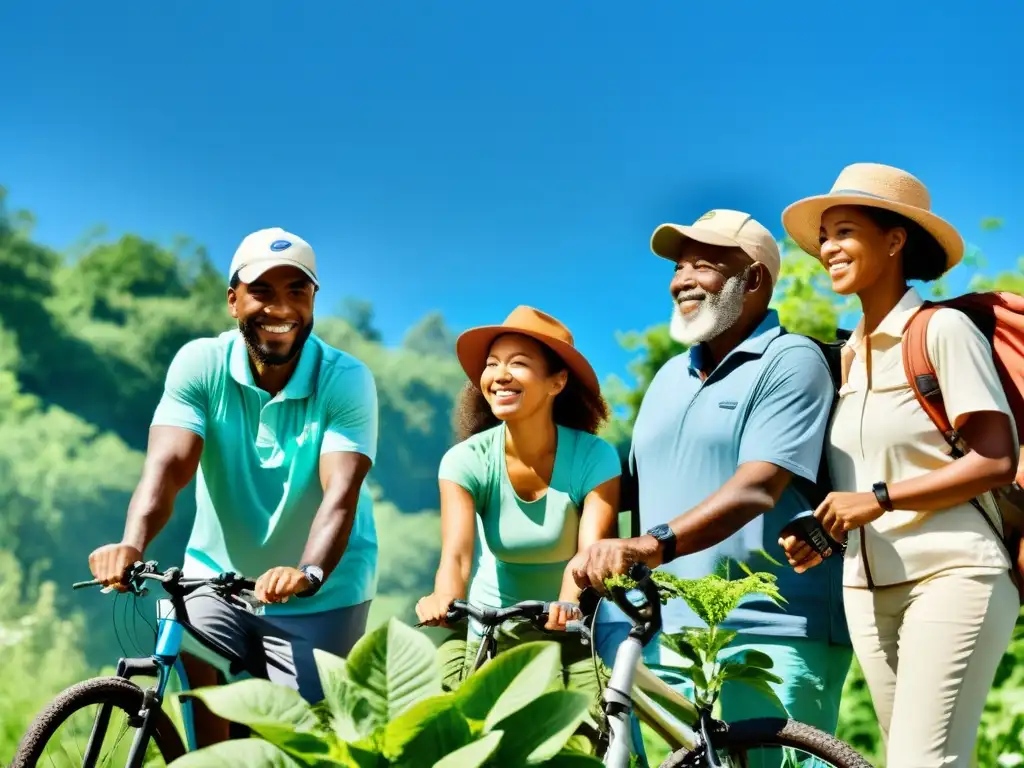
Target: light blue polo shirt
(258,486)
(768,400)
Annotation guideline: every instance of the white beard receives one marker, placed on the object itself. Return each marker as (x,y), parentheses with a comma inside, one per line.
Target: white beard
(716,314)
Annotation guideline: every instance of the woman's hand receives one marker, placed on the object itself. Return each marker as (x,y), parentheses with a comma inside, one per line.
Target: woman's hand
(431,609)
(841,513)
(561,613)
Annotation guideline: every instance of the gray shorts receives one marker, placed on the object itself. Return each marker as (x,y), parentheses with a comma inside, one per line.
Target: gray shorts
(277,648)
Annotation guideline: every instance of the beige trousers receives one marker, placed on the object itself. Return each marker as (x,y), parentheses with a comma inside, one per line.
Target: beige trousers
(929,650)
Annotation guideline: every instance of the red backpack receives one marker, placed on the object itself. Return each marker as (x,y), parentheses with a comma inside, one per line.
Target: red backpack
(999,315)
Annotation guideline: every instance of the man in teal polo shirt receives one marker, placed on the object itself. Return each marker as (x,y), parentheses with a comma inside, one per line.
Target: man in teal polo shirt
(728,438)
(282,430)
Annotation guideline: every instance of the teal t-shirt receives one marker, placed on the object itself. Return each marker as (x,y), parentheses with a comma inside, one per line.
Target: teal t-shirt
(258,485)
(522,547)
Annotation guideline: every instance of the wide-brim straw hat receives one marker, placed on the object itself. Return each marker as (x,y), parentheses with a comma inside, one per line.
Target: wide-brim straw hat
(473,346)
(876,186)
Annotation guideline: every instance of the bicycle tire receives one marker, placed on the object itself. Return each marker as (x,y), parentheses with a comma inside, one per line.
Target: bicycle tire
(775,732)
(121,693)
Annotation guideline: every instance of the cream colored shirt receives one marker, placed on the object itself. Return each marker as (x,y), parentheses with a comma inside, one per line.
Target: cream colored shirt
(880,432)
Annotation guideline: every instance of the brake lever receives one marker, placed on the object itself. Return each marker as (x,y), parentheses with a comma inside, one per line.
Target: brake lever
(580,627)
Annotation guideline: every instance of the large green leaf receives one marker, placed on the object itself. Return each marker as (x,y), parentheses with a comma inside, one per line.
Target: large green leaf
(259,704)
(541,728)
(472,755)
(510,681)
(394,667)
(351,715)
(758,659)
(252,753)
(426,732)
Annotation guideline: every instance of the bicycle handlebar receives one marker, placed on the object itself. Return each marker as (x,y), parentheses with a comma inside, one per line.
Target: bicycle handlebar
(492,617)
(646,618)
(174,583)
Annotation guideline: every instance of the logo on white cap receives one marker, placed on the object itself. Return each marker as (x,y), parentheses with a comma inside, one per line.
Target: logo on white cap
(268,248)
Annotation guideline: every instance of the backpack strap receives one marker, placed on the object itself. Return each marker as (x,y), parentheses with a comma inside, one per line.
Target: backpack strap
(924,382)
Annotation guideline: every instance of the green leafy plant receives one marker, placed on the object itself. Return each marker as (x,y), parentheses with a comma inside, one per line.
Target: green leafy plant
(383,706)
(713,598)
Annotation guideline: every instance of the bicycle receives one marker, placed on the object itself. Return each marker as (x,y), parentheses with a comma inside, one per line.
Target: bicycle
(143,707)
(634,688)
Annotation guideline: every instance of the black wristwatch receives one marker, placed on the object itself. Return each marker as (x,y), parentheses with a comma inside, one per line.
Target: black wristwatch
(315,576)
(881,491)
(667,537)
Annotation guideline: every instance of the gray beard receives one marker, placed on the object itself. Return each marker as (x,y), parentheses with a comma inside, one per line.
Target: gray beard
(716,314)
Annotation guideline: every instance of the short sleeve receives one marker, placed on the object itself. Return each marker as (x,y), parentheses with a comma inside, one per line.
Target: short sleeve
(789,413)
(185,399)
(599,463)
(350,411)
(463,465)
(962,358)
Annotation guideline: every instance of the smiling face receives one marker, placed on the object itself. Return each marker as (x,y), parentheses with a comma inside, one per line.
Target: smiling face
(274,313)
(710,286)
(518,379)
(856,251)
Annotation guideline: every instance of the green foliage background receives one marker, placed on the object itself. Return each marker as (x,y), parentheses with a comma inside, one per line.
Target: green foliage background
(85,340)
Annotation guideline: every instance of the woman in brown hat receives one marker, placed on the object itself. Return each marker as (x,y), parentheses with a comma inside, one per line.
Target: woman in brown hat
(528,486)
(928,595)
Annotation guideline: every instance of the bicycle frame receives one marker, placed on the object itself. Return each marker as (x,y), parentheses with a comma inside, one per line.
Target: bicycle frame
(165,659)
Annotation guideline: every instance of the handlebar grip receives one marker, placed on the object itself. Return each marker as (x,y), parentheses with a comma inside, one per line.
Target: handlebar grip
(82,584)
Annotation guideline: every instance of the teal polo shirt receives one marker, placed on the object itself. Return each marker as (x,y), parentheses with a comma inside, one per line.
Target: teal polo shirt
(768,400)
(258,485)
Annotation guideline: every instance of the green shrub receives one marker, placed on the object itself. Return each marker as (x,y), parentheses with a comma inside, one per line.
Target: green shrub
(384,706)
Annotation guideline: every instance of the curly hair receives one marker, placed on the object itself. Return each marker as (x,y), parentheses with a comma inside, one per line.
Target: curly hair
(923,257)
(576,406)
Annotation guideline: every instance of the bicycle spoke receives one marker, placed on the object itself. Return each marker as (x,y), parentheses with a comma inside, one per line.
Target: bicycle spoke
(70,743)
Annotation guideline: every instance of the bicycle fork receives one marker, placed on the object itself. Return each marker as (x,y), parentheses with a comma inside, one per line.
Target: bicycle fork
(618,704)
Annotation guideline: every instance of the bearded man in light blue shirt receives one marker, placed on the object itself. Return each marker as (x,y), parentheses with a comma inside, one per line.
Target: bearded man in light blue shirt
(726,453)
(280,430)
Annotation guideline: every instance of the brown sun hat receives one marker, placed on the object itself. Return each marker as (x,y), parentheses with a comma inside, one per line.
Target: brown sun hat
(877,186)
(473,346)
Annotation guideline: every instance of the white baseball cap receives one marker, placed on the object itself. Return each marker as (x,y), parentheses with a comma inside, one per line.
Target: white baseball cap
(733,229)
(269,248)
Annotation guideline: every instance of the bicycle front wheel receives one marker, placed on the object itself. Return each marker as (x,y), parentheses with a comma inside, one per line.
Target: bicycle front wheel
(765,740)
(91,720)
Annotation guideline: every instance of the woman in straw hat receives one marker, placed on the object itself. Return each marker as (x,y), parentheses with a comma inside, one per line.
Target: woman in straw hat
(528,486)
(928,596)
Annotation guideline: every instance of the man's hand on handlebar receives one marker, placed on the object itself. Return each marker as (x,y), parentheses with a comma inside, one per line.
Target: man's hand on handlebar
(279,584)
(613,557)
(109,563)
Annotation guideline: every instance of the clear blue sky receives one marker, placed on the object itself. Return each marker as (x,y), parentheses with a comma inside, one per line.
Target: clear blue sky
(470,156)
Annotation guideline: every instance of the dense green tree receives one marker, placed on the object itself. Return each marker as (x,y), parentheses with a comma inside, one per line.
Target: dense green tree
(358,313)
(431,336)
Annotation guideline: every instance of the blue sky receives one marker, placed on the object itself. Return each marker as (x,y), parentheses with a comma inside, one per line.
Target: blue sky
(471,156)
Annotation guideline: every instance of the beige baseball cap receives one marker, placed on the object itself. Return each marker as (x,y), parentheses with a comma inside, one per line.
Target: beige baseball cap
(732,229)
(269,248)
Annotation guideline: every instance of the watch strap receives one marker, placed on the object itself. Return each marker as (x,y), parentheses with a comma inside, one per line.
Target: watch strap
(667,538)
(314,575)
(881,491)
